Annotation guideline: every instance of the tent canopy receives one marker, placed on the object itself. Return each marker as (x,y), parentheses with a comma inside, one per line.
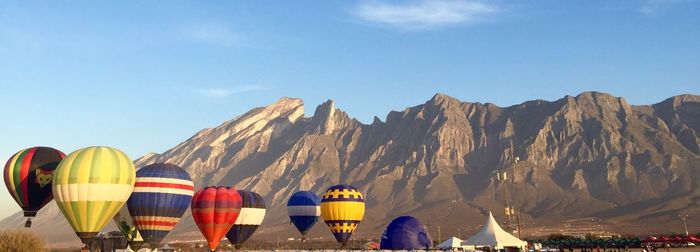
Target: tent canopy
(494,236)
(453,242)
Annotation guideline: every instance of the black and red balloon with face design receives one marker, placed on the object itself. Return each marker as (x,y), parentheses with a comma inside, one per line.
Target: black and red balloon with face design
(28,175)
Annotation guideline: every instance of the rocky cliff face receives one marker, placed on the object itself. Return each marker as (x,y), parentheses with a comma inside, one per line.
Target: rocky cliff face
(593,155)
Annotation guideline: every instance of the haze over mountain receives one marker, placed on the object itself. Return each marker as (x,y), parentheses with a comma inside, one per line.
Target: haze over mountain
(589,156)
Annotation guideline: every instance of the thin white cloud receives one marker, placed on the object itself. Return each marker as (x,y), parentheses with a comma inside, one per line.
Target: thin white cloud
(653,7)
(212,34)
(226,92)
(425,14)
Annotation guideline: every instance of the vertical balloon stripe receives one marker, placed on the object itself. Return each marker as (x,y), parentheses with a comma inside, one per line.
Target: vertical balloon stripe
(94,210)
(17,166)
(116,174)
(66,209)
(107,160)
(100,219)
(10,171)
(77,171)
(79,211)
(9,177)
(86,166)
(91,220)
(129,176)
(17,176)
(126,178)
(26,162)
(97,160)
(60,176)
(116,161)
(73,168)
(108,207)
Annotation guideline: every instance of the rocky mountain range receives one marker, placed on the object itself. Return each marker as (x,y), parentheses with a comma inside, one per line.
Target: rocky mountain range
(592,159)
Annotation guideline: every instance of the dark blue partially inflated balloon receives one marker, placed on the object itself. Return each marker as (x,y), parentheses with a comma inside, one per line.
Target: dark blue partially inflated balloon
(251,216)
(405,232)
(304,208)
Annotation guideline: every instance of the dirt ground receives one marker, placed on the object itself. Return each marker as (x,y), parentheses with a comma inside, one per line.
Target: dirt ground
(695,249)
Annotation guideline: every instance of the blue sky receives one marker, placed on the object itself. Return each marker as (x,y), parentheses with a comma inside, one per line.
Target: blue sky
(145,75)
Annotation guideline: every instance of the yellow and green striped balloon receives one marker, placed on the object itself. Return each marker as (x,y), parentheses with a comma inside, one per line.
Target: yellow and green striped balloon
(90,185)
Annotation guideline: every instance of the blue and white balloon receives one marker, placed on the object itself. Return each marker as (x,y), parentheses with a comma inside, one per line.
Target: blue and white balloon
(304,208)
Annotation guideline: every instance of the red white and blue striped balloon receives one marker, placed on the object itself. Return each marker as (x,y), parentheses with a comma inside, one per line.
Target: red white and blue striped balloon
(161,196)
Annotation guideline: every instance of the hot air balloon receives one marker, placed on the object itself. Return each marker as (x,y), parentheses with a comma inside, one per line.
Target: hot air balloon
(304,208)
(214,210)
(342,208)
(161,195)
(405,233)
(125,224)
(252,214)
(28,175)
(90,186)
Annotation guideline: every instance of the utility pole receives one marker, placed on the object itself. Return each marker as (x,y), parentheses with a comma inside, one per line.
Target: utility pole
(512,212)
(685,225)
(502,177)
(515,198)
(439,235)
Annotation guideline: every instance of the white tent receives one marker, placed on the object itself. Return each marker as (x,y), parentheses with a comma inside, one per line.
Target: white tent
(451,243)
(492,235)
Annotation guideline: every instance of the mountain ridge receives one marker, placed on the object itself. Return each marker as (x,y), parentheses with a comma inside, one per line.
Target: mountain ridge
(587,156)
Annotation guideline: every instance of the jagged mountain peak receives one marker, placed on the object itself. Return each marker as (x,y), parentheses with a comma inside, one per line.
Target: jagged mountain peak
(441,96)
(327,119)
(325,110)
(377,121)
(442,100)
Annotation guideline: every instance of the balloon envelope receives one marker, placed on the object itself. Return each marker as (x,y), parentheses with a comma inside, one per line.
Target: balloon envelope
(214,210)
(342,208)
(250,218)
(304,208)
(90,186)
(28,175)
(161,196)
(405,233)
(125,224)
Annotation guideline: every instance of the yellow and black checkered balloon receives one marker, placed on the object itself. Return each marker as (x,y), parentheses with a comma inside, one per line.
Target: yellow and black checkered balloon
(342,208)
